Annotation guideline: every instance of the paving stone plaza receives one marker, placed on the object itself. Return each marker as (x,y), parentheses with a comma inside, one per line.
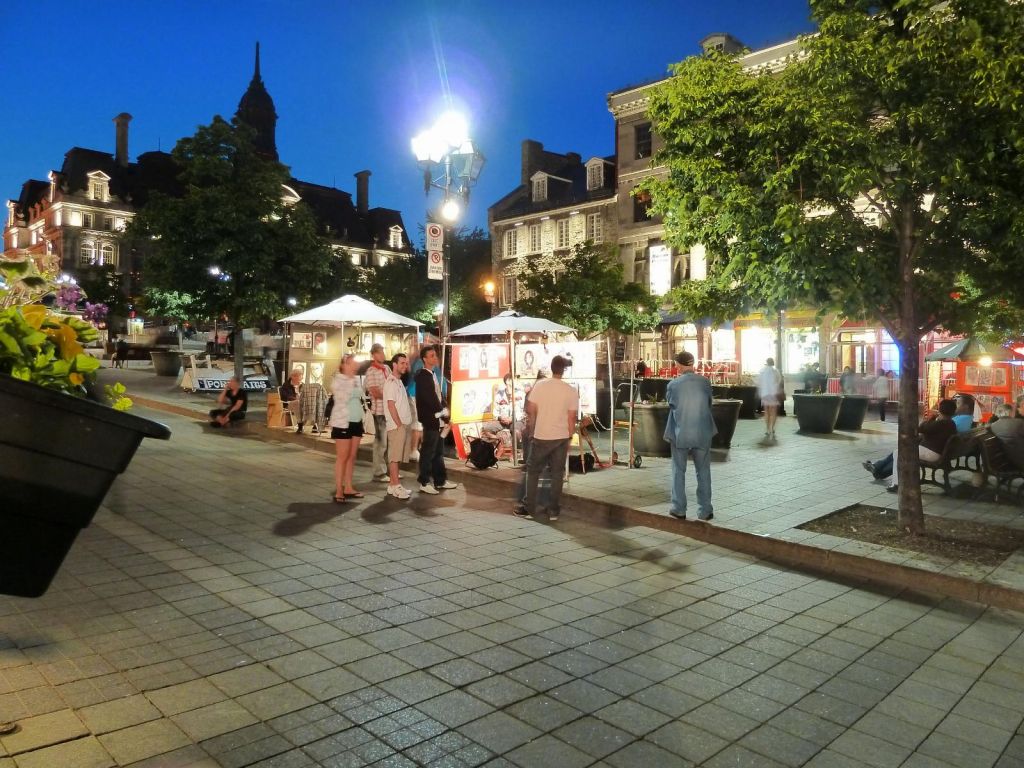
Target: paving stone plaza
(221,611)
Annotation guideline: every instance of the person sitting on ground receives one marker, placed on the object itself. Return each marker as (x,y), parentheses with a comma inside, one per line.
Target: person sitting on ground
(291,394)
(964,417)
(233,401)
(933,434)
(1010,432)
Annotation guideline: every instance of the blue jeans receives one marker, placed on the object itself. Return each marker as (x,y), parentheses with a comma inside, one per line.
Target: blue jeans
(702,464)
(432,459)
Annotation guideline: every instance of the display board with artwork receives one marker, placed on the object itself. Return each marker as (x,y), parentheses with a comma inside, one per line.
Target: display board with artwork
(991,385)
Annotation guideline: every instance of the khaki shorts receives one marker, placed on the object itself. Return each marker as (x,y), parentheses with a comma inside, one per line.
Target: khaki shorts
(398,444)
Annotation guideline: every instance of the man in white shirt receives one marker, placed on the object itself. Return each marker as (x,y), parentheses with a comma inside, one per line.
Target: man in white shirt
(398,417)
(552,407)
(769,382)
(376,375)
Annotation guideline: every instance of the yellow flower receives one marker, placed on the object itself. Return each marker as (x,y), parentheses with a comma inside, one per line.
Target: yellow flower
(76,378)
(34,314)
(65,337)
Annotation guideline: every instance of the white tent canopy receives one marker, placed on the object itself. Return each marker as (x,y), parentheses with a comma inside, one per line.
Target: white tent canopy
(351,310)
(511,321)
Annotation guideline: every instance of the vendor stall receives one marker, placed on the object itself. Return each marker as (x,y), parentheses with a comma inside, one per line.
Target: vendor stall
(990,373)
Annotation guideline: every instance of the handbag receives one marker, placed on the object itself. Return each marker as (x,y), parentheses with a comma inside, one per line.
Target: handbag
(369,422)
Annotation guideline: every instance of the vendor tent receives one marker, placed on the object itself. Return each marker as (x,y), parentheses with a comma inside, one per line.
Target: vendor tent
(351,310)
(511,321)
(971,348)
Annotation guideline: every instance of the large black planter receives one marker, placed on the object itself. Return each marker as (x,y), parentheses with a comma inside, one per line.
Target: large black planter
(166,362)
(649,429)
(58,457)
(748,396)
(725,413)
(852,412)
(817,413)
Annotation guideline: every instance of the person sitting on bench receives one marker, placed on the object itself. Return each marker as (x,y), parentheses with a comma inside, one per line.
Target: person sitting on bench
(934,432)
(233,401)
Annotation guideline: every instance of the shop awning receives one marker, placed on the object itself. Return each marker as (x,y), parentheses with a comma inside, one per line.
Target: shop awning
(971,348)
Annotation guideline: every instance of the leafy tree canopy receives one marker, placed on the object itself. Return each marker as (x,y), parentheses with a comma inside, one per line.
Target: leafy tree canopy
(230,241)
(588,292)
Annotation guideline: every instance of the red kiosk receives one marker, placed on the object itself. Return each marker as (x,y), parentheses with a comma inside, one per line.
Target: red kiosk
(989,372)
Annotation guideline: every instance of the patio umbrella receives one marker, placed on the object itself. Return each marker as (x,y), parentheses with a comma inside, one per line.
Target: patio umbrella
(351,310)
(511,321)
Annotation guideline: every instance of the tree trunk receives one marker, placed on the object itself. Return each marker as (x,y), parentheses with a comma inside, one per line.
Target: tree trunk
(239,347)
(181,340)
(911,512)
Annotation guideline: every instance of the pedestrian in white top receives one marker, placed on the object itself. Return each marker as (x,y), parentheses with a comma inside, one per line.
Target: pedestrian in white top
(880,392)
(398,416)
(553,406)
(769,382)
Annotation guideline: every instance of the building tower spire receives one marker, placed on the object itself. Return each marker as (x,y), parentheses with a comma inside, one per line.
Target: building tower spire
(256,109)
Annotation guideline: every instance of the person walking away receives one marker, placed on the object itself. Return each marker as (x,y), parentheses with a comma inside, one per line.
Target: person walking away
(233,401)
(430,408)
(689,431)
(846,384)
(398,415)
(346,427)
(552,407)
(769,382)
(291,394)
(880,392)
(376,375)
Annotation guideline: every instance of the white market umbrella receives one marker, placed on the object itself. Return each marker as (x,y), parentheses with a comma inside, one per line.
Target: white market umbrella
(511,321)
(351,310)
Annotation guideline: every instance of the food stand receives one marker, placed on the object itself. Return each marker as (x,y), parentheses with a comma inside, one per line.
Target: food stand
(990,373)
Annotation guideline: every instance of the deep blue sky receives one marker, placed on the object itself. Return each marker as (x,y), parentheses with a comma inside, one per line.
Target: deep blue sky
(352,81)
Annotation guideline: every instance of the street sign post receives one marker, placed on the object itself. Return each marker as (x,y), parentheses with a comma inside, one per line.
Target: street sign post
(435,252)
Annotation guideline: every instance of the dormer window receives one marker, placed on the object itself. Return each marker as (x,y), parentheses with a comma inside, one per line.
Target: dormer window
(540,187)
(595,174)
(99,186)
(395,238)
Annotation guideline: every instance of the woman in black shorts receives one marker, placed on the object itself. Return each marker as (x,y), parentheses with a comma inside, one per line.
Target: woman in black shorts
(346,427)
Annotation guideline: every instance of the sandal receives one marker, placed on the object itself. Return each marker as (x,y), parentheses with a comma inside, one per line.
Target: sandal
(338,499)
(354,495)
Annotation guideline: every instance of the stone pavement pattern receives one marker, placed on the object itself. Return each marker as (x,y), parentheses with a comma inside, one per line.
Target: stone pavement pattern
(220,611)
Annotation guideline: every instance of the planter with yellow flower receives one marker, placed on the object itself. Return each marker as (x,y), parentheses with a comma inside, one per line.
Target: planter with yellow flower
(59,450)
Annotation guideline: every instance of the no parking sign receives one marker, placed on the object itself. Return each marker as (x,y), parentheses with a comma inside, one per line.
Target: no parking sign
(435,246)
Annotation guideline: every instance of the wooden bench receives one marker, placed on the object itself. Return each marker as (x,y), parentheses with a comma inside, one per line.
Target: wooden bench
(998,465)
(962,453)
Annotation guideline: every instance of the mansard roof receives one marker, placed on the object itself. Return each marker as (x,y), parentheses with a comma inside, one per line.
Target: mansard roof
(572,191)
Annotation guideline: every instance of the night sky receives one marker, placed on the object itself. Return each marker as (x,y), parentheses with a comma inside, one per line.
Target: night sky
(352,81)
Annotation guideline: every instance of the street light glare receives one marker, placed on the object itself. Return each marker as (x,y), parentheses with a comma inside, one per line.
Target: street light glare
(450,210)
(451,128)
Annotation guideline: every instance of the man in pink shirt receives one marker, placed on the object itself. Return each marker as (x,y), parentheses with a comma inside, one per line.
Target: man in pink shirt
(552,407)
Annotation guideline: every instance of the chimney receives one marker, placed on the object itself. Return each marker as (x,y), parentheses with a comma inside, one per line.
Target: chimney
(533,151)
(121,152)
(573,158)
(363,192)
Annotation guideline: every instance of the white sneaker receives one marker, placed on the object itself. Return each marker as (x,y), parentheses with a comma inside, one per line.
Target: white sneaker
(399,492)
(381,479)
(448,485)
(414,455)
(428,488)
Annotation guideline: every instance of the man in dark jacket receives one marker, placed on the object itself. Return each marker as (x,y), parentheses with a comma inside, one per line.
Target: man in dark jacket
(433,415)
(933,433)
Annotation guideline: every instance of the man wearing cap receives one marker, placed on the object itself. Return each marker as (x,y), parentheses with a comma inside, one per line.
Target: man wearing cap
(689,431)
(376,375)
(552,408)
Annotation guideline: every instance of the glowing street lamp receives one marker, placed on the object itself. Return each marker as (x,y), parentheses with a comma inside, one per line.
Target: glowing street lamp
(452,164)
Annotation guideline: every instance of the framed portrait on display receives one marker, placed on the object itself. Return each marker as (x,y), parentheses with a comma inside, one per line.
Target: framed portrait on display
(302,340)
(319,343)
(316,373)
(366,341)
(301,367)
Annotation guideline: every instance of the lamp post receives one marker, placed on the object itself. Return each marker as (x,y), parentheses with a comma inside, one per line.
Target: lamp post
(452,164)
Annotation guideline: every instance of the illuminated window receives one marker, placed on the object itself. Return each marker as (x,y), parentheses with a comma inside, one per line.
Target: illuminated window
(511,243)
(395,238)
(540,189)
(642,143)
(106,253)
(562,233)
(99,186)
(535,238)
(595,233)
(508,291)
(87,254)
(87,220)
(595,176)
(108,223)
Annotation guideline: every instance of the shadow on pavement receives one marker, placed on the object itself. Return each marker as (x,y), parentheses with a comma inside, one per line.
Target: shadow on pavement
(829,436)
(305,516)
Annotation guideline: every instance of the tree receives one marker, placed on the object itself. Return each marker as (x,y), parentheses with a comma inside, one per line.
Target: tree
(874,175)
(231,241)
(103,284)
(401,285)
(174,305)
(587,291)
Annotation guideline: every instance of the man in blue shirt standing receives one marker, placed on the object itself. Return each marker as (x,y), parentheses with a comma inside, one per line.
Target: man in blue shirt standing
(689,431)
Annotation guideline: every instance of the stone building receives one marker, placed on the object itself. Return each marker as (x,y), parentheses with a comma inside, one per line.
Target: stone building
(72,219)
(561,201)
